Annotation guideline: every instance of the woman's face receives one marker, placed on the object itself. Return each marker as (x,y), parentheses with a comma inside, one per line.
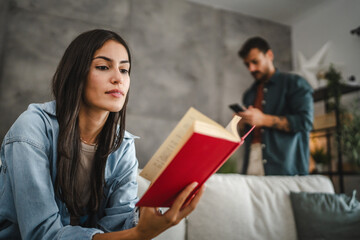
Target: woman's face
(108,80)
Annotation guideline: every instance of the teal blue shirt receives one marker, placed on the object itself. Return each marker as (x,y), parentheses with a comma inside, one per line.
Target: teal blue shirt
(284,153)
(29,207)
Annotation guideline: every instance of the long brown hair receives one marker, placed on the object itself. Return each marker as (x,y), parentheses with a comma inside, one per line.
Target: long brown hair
(68,86)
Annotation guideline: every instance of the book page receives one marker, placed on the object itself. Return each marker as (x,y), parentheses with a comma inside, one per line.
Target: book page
(229,133)
(232,126)
(162,156)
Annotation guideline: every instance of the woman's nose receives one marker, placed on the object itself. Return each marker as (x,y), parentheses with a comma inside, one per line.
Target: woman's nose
(116,77)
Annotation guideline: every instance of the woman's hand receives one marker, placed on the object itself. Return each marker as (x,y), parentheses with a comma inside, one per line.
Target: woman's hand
(152,223)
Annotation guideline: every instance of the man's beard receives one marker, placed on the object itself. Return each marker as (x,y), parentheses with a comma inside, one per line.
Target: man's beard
(262,77)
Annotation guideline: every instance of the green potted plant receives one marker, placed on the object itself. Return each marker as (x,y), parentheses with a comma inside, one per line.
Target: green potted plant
(350,138)
(230,166)
(321,158)
(333,77)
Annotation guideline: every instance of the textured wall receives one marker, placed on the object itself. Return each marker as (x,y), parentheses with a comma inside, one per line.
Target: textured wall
(184,54)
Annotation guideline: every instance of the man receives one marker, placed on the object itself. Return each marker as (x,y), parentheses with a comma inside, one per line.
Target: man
(281,106)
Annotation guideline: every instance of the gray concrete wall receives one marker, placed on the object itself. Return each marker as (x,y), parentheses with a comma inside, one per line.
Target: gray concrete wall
(184,54)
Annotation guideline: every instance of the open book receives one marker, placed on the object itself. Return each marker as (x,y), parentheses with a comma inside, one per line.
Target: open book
(195,149)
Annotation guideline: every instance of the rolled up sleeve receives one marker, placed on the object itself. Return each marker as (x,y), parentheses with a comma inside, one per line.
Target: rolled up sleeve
(302,109)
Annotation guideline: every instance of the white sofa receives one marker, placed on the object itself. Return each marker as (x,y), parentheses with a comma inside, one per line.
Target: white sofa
(244,207)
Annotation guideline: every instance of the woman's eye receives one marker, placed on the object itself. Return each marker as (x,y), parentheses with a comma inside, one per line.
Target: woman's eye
(102,67)
(125,71)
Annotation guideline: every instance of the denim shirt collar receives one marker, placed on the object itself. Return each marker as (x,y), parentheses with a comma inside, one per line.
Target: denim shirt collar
(273,77)
(50,108)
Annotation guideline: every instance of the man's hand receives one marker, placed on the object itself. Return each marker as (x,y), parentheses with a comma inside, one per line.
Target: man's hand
(253,116)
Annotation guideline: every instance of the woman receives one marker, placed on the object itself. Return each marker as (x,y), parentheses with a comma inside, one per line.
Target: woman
(68,166)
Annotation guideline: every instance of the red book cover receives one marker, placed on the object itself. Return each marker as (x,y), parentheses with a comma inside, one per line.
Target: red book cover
(198,159)
(201,152)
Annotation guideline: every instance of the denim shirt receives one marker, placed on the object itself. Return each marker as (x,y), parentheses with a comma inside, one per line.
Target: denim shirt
(29,208)
(290,96)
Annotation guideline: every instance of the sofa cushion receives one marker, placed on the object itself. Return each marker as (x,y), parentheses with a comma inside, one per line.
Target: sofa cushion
(326,216)
(250,207)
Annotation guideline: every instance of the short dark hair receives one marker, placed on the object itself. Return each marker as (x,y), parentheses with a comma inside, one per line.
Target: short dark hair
(254,42)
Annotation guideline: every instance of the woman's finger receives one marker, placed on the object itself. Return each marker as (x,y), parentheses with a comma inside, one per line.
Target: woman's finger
(180,200)
(192,205)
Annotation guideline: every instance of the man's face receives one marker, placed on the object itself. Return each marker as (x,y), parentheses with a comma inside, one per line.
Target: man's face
(260,64)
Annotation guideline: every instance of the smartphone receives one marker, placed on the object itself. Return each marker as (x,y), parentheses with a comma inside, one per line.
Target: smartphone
(237,107)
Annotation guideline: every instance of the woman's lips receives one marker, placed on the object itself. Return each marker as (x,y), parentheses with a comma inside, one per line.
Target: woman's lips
(115,93)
